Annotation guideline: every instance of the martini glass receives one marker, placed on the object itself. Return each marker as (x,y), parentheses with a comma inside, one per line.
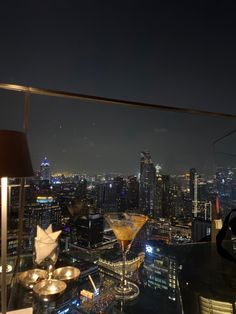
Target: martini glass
(125,227)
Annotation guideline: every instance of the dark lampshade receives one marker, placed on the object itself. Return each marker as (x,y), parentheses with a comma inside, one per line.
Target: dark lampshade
(14,155)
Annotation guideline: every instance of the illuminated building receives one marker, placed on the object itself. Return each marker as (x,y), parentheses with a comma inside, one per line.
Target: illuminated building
(159,230)
(65,193)
(89,230)
(169,197)
(112,195)
(131,265)
(81,189)
(176,200)
(132,193)
(208,223)
(192,176)
(165,196)
(202,224)
(45,173)
(147,187)
(181,234)
(224,178)
(43,212)
(226,188)
(159,195)
(160,269)
(213,306)
(106,196)
(120,193)
(204,209)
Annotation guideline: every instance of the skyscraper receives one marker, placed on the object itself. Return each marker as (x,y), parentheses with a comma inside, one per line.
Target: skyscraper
(132,193)
(45,173)
(160,268)
(166,199)
(192,173)
(193,188)
(121,193)
(147,186)
(159,196)
(81,191)
(106,197)
(112,195)
(42,211)
(89,229)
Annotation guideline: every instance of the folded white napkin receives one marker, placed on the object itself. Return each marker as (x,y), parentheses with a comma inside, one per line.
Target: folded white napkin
(45,244)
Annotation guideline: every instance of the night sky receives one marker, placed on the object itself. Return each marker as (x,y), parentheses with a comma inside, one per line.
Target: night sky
(177,53)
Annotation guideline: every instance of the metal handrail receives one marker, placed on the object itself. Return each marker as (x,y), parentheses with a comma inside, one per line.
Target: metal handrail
(111,101)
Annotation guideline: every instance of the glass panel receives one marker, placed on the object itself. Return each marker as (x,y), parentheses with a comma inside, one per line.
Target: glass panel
(91,159)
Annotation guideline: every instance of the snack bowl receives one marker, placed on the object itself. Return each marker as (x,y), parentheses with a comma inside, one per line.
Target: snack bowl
(31,277)
(67,273)
(49,289)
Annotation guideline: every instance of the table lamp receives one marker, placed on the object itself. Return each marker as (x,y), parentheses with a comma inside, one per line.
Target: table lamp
(14,162)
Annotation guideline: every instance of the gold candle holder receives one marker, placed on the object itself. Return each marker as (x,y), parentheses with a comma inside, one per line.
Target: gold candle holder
(49,289)
(67,273)
(31,277)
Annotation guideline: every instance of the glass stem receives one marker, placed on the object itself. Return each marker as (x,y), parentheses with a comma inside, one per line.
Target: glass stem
(123,282)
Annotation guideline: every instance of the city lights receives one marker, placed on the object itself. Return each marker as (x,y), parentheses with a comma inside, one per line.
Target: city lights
(149,249)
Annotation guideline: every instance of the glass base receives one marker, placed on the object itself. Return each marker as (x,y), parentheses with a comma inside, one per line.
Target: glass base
(130,292)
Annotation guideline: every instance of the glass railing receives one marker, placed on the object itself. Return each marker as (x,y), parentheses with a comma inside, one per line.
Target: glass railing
(90,159)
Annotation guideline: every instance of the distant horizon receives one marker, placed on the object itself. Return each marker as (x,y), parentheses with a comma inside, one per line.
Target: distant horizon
(124,173)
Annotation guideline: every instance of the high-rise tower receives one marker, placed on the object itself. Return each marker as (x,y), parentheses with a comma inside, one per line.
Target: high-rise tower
(147,186)
(192,175)
(45,173)
(132,193)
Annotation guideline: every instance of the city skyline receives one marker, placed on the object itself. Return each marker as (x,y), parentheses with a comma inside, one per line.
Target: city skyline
(67,172)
